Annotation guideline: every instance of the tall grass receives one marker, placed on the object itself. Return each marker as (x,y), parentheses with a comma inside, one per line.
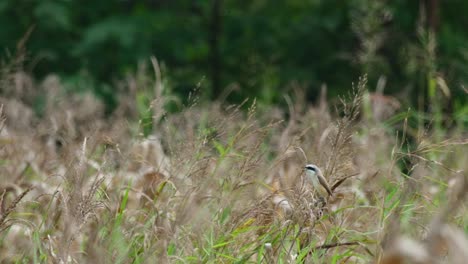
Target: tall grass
(202,185)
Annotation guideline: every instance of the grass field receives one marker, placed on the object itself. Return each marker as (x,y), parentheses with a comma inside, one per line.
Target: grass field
(215,183)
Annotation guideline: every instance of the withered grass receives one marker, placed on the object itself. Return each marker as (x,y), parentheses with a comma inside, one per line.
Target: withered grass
(80,187)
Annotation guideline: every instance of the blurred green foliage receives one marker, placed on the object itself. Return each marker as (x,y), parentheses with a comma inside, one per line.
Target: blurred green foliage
(258,46)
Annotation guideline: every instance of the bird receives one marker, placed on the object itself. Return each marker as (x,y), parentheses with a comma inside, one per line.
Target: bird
(315,176)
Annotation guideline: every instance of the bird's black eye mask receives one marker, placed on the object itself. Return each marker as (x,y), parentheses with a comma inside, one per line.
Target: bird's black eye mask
(310,168)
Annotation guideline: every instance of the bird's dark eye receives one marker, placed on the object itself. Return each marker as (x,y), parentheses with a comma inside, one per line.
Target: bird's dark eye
(310,168)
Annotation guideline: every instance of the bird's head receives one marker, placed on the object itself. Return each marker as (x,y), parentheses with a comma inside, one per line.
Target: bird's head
(312,170)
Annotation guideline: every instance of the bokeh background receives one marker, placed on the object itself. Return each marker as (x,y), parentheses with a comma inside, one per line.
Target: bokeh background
(238,49)
(162,131)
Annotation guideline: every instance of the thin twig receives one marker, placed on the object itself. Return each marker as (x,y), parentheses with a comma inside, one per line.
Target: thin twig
(13,205)
(303,153)
(340,181)
(327,246)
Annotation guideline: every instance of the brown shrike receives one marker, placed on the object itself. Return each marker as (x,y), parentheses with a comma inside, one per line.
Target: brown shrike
(315,176)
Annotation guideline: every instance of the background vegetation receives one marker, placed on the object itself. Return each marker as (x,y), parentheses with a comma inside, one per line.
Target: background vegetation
(177,131)
(254,48)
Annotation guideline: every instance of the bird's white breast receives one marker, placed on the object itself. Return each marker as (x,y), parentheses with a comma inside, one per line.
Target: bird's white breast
(314,180)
